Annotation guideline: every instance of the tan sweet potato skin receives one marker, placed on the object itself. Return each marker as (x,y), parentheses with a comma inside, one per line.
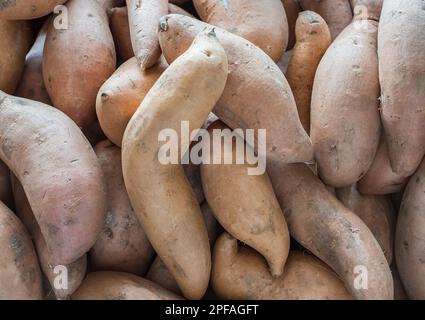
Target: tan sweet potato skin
(242,274)
(312,40)
(172,220)
(122,245)
(27,9)
(239,106)
(321,224)
(337,13)
(121,95)
(76,270)
(118,21)
(78,60)
(410,236)
(292,9)
(401,50)
(15,38)
(345,123)
(380,178)
(108,285)
(263,23)
(20,275)
(67,192)
(143,17)
(377,212)
(31,86)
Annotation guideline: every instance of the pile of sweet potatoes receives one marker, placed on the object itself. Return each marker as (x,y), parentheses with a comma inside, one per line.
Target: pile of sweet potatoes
(88,210)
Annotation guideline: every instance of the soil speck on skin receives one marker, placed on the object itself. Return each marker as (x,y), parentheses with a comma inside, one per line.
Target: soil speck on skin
(4,4)
(52,229)
(17,246)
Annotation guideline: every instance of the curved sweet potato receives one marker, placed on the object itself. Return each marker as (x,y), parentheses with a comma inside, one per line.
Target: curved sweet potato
(172,220)
(108,285)
(380,178)
(76,270)
(121,95)
(292,9)
(122,245)
(15,38)
(376,212)
(320,223)
(20,275)
(410,236)
(240,273)
(67,192)
(240,105)
(263,23)
(401,47)
(143,17)
(337,13)
(345,122)
(27,9)
(78,60)
(312,40)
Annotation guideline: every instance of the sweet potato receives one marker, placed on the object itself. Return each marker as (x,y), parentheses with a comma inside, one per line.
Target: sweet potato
(312,40)
(376,212)
(263,23)
(410,236)
(246,207)
(121,94)
(118,21)
(122,245)
(143,17)
(265,103)
(171,219)
(292,9)
(15,38)
(31,86)
(320,223)
(401,54)
(59,172)
(380,178)
(78,60)
(76,270)
(337,13)
(108,285)
(6,195)
(159,273)
(20,275)
(345,122)
(27,9)
(240,273)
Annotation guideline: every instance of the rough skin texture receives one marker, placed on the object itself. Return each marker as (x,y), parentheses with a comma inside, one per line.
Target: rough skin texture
(160,193)
(59,172)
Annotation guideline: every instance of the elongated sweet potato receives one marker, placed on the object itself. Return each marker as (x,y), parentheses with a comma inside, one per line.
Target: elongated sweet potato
(31,86)
(240,105)
(20,275)
(245,205)
(292,9)
(108,285)
(376,212)
(66,192)
(312,40)
(401,54)
(6,195)
(121,95)
(410,236)
(345,122)
(15,38)
(240,273)
(27,9)
(118,21)
(320,223)
(78,60)
(337,13)
(143,17)
(159,273)
(122,245)
(380,178)
(76,270)
(263,23)
(172,220)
